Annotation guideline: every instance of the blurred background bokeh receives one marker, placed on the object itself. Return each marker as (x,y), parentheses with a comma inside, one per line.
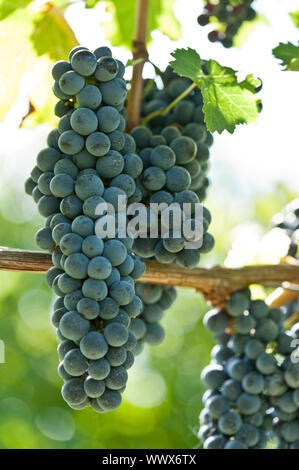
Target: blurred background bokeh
(253,174)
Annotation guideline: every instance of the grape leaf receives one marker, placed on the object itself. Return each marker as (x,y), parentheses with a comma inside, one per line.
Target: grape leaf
(20,60)
(120,30)
(7,7)
(295,17)
(288,54)
(226,102)
(52,34)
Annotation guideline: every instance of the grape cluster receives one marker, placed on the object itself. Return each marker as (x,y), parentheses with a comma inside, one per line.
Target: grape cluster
(174,151)
(185,119)
(87,163)
(230,15)
(253,379)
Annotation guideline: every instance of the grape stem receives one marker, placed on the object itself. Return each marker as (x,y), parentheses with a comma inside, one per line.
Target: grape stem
(216,283)
(139,52)
(163,112)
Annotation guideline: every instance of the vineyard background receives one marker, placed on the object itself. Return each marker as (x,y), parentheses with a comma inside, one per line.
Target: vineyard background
(258,164)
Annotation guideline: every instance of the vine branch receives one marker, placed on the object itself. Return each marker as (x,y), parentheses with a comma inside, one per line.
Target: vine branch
(139,52)
(215,283)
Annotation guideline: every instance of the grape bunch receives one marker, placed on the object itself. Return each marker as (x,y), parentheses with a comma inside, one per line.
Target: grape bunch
(84,165)
(186,119)
(253,380)
(174,151)
(230,15)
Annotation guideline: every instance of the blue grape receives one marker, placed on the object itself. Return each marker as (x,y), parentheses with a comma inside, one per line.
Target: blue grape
(47,205)
(71,82)
(70,243)
(71,300)
(230,423)
(99,268)
(235,444)
(83,226)
(117,378)
(95,289)
(88,185)
(98,144)
(46,160)
(73,391)
(153,178)
(73,326)
(75,363)
(62,185)
(66,166)
(108,309)
(110,400)
(248,404)
(266,363)
(254,348)
(89,97)
(122,292)
(84,121)
(76,266)
(124,182)
(115,251)
(99,369)
(116,334)
(92,246)
(237,303)
(90,206)
(253,383)
(59,68)
(102,51)
(110,165)
(71,206)
(117,140)
(163,157)
(70,142)
(107,69)
(177,179)
(214,442)
(93,345)
(213,376)
(133,165)
(89,308)
(67,284)
(84,62)
(64,347)
(114,92)
(108,119)
(94,388)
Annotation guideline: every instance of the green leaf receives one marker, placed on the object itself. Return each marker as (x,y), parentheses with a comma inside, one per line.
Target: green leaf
(19,57)
(227,102)
(120,30)
(52,34)
(295,17)
(7,7)
(288,54)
